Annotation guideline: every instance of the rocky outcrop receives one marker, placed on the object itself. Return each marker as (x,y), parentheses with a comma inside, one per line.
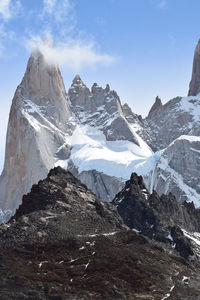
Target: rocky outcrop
(160,218)
(194,88)
(177,169)
(65,244)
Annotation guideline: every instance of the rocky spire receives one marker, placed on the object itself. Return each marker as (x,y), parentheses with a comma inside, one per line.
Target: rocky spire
(37,126)
(194,87)
(77,80)
(42,81)
(157,105)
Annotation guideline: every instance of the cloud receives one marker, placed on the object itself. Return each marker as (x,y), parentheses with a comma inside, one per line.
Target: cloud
(5,9)
(9,9)
(73,54)
(57,9)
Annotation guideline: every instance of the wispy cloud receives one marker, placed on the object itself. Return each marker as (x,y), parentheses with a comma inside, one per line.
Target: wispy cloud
(58,9)
(73,48)
(73,54)
(9,9)
(5,9)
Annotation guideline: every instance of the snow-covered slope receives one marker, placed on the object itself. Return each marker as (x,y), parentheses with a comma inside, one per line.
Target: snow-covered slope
(90,150)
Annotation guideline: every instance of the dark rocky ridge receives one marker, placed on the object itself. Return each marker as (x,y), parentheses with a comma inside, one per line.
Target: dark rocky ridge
(65,244)
(160,218)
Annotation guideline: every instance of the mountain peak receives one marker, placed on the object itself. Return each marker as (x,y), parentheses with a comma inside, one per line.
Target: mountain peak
(157,105)
(41,80)
(77,78)
(194,87)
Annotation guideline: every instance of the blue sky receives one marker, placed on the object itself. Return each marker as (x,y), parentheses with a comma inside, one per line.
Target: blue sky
(142,48)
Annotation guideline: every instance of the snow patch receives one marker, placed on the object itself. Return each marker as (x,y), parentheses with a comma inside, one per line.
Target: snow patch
(90,150)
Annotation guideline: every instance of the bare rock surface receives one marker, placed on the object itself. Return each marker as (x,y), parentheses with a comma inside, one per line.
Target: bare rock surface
(103,186)
(38,116)
(155,107)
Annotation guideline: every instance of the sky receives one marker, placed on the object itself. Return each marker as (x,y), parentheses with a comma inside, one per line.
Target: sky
(142,48)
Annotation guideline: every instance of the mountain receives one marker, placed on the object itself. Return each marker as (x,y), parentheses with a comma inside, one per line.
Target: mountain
(38,118)
(177,170)
(160,218)
(63,243)
(82,130)
(174,129)
(91,134)
(179,116)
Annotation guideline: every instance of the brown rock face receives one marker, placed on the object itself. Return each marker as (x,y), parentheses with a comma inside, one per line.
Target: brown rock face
(194,88)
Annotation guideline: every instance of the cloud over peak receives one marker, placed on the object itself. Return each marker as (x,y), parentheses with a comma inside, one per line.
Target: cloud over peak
(73,54)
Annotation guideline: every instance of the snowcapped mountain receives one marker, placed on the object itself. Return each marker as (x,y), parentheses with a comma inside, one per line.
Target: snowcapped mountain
(99,140)
(175,130)
(81,131)
(179,116)
(177,170)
